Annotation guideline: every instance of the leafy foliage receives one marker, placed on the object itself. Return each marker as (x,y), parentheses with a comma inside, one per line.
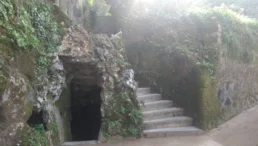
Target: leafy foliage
(238,47)
(16,26)
(3,78)
(193,31)
(30,28)
(249,7)
(46,30)
(38,136)
(92,9)
(100,6)
(125,118)
(53,127)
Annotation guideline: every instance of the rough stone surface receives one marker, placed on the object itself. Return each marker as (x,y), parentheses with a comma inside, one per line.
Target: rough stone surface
(15,108)
(94,60)
(57,78)
(194,65)
(22,96)
(237,87)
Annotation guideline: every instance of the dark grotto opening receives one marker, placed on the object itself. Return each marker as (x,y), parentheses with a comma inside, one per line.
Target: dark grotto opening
(36,119)
(85,112)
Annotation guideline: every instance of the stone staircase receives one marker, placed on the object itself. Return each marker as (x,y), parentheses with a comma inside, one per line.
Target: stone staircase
(161,118)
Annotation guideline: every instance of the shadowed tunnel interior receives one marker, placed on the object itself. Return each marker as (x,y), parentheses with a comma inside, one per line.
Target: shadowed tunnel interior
(85,111)
(36,119)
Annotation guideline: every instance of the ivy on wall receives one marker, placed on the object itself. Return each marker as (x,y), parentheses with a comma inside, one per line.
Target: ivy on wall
(201,37)
(27,28)
(124,118)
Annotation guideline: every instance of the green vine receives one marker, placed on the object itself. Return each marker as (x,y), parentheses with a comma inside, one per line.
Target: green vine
(16,27)
(124,117)
(30,27)
(46,30)
(37,136)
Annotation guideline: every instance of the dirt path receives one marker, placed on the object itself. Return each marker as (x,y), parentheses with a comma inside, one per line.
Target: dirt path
(239,131)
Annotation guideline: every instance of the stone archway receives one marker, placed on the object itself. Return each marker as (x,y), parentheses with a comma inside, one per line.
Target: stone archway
(96,74)
(86,101)
(83,80)
(85,112)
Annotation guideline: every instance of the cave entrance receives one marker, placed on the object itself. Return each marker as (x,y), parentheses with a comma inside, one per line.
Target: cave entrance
(85,111)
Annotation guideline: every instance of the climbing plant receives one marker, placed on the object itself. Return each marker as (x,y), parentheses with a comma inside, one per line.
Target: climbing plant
(179,51)
(37,136)
(28,28)
(100,6)
(16,27)
(46,30)
(124,117)
(232,23)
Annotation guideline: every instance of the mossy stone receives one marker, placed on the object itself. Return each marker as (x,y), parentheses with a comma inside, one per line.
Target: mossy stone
(208,102)
(63,104)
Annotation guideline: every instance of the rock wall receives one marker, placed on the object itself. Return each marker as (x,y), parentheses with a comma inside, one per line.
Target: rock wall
(84,14)
(32,76)
(20,98)
(76,10)
(35,98)
(196,61)
(96,60)
(106,25)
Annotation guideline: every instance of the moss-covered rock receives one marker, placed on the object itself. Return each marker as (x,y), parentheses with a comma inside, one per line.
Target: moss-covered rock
(64,104)
(209,107)
(16,106)
(25,135)
(25,62)
(36,135)
(29,69)
(94,60)
(197,58)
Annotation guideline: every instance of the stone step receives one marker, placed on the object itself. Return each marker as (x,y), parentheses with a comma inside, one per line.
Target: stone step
(156,105)
(143,91)
(80,143)
(149,98)
(167,132)
(169,122)
(163,113)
